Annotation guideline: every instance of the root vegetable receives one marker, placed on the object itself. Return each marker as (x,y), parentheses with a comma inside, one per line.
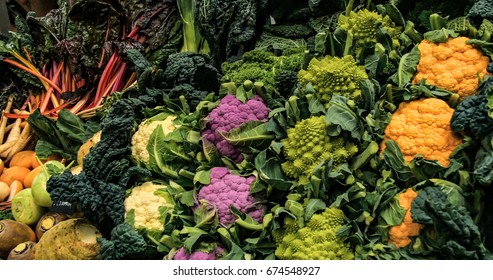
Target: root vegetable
(14,190)
(13,137)
(22,141)
(73,239)
(12,233)
(25,210)
(28,180)
(4,191)
(86,147)
(48,221)
(22,158)
(14,173)
(40,194)
(23,251)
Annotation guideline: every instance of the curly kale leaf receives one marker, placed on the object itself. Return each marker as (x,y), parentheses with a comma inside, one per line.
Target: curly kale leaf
(456,236)
(6,215)
(125,243)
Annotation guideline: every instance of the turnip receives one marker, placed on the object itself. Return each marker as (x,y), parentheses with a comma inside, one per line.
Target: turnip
(23,251)
(12,233)
(48,221)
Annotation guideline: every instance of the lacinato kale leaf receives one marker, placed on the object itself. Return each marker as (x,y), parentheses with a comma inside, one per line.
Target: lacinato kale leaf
(230,27)
(125,243)
(99,190)
(449,229)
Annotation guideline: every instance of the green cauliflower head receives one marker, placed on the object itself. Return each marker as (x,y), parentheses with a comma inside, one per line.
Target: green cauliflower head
(317,240)
(334,75)
(308,144)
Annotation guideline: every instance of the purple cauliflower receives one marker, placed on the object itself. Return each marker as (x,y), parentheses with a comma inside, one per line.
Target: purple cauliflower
(225,190)
(199,255)
(232,113)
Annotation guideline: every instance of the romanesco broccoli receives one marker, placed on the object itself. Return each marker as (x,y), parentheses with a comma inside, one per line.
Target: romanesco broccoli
(317,240)
(308,145)
(334,75)
(363,25)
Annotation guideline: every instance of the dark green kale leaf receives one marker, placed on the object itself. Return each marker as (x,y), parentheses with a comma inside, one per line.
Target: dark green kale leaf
(454,233)
(99,190)
(472,115)
(230,27)
(194,69)
(125,244)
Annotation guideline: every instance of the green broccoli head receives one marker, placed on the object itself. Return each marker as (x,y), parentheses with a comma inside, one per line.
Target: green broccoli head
(334,75)
(263,66)
(317,240)
(308,145)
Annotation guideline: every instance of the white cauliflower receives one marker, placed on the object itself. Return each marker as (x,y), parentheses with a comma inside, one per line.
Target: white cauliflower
(145,203)
(141,137)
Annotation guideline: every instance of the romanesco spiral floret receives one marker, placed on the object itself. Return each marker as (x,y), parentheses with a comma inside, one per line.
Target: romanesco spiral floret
(317,240)
(363,25)
(334,75)
(308,145)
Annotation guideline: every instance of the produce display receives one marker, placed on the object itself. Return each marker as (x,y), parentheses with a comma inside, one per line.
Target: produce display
(248,130)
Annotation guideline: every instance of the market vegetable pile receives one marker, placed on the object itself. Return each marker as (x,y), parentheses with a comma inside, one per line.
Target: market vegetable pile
(251,130)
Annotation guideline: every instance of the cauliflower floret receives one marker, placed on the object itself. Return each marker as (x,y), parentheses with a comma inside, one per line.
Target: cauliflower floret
(422,127)
(145,204)
(207,254)
(453,65)
(399,235)
(141,137)
(225,190)
(232,113)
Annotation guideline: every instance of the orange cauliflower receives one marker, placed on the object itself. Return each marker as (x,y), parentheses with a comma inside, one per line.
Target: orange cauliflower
(422,127)
(399,235)
(453,65)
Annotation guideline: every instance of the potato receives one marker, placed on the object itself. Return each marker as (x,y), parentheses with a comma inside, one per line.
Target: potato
(23,251)
(72,239)
(12,233)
